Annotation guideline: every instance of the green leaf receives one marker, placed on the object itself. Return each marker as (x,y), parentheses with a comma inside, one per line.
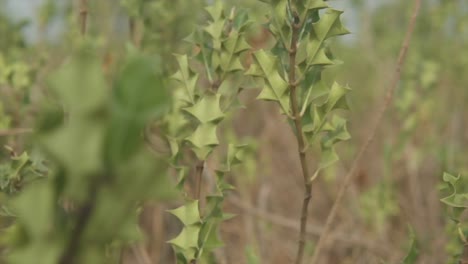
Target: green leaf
(215,10)
(336,132)
(336,98)
(276,88)
(456,199)
(80,77)
(187,78)
(38,219)
(188,214)
(139,95)
(187,240)
(413,251)
(79,140)
(204,139)
(233,157)
(207,109)
(329,25)
(211,239)
(215,29)
(139,92)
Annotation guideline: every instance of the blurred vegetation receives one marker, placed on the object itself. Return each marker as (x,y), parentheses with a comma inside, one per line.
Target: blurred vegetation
(89,101)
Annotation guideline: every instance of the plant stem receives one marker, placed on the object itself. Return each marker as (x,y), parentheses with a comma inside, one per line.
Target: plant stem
(83,16)
(132,25)
(84,215)
(198,176)
(370,137)
(296,26)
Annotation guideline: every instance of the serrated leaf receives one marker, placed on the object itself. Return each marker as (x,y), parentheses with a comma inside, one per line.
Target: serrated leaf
(456,199)
(215,29)
(276,88)
(337,131)
(207,109)
(210,235)
(215,10)
(316,117)
(187,240)
(336,98)
(233,157)
(187,78)
(213,207)
(188,214)
(329,25)
(413,251)
(204,135)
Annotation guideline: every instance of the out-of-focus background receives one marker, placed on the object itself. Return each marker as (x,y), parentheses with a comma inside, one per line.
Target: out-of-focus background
(424,133)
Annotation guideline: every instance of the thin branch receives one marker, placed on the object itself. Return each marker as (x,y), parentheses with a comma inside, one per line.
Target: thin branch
(70,253)
(132,25)
(198,176)
(83,16)
(296,27)
(15,131)
(370,137)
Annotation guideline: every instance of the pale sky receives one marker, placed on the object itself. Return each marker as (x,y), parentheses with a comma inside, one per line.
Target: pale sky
(27,9)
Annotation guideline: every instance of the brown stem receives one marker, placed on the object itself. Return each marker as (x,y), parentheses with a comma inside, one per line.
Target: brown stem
(299,135)
(69,255)
(83,16)
(198,176)
(132,29)
(387,100)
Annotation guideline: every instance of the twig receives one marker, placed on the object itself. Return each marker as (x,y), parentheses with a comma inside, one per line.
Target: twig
(15,131)
(296,26)
(198,176)
(83,16)
(85,212)
(370,137)
(312,230)
(132,25)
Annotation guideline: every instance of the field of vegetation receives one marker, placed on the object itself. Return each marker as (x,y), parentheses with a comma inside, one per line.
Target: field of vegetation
(234,132)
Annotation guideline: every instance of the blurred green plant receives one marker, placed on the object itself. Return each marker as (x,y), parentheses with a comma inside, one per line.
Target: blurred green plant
(456,202)
(99,168)
(21,170)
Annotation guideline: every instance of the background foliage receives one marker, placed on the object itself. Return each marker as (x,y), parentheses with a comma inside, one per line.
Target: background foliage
(94,158)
